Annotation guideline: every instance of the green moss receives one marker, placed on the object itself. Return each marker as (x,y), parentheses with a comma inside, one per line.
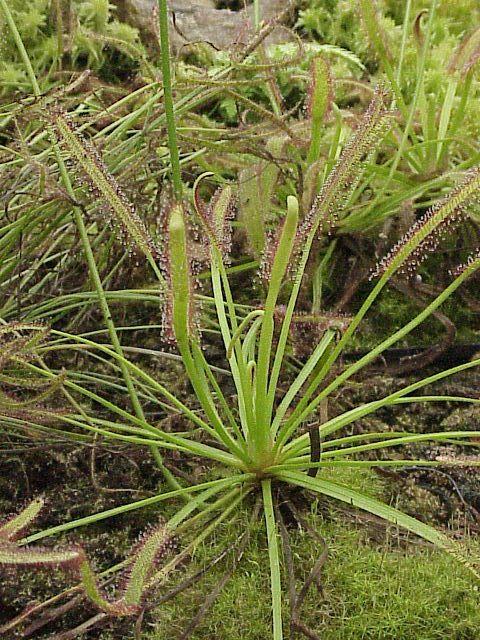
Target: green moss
(373,585)
(92,38)
(394,594)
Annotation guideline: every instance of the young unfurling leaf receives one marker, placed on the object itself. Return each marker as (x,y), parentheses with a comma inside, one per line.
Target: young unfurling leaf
(180,277)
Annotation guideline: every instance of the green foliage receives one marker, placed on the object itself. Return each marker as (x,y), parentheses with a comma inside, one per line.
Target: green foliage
(336,22)
(88,28)
(259,422)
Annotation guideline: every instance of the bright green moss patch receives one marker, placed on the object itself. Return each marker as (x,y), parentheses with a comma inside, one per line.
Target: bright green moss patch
(376,592)
(92,38)
(374,585)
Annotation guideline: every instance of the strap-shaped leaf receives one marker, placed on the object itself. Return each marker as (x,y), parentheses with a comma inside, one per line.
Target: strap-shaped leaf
(146,554)
(378,508)
(424,236)
(102,183)
(39,557)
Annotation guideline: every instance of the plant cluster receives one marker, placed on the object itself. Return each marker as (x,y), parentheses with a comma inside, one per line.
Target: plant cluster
(261,421)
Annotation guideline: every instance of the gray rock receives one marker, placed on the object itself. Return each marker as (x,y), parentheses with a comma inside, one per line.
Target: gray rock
(198,21)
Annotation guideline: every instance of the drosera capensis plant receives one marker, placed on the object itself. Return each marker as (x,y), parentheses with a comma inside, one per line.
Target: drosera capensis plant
(257,440)
(276,455)
(266,442)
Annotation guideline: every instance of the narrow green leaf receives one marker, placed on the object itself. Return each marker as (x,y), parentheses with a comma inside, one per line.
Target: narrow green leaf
(40,558)
(377,508)
(102,182)
(273,555)
(279,267)
(151,548)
